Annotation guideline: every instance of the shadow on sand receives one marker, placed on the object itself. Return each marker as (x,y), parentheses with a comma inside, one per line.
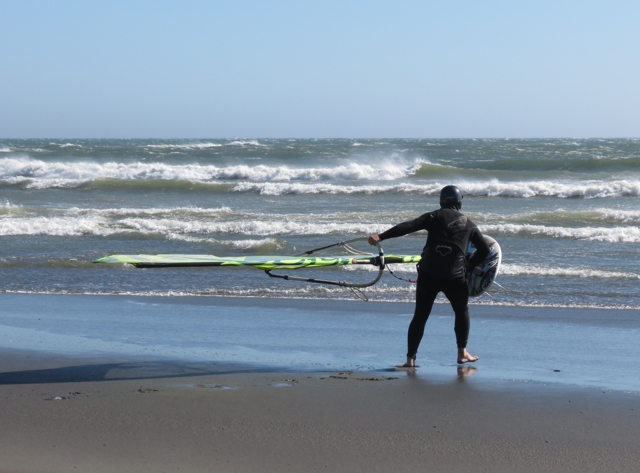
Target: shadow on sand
(123,371)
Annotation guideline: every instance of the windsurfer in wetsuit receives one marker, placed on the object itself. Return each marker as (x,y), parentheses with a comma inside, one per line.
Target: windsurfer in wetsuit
(443,267)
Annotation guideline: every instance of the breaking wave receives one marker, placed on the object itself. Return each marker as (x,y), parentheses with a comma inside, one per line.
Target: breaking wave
(202,223)
(101,225)
(612,235)
(417,177)
(585,190)
(38,174)
(569,272)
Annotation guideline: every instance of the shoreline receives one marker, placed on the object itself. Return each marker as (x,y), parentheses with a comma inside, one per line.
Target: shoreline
(438,301)
(312,336)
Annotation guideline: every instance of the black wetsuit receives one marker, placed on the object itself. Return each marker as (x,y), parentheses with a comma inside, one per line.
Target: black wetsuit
(442,268)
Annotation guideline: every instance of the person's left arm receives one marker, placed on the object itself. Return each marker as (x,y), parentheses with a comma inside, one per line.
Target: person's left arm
(482,248)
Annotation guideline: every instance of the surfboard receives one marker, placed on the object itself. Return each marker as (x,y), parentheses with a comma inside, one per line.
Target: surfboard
(485,273)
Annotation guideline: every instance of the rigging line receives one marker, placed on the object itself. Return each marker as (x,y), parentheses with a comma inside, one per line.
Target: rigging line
(340,243)
(354,251)
(379,262)
(506,289)
(359,294)
(413,281)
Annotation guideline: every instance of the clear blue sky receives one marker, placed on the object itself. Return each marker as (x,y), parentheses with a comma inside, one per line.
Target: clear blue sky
(304,69)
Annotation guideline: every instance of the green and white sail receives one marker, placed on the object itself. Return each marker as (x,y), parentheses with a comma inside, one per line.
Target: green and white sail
(259,262)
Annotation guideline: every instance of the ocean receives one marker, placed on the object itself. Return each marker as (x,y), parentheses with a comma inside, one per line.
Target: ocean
(566,213)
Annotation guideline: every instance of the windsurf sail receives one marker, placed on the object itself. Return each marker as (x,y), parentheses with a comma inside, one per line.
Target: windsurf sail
(259,262)
(272,263)
(478,280)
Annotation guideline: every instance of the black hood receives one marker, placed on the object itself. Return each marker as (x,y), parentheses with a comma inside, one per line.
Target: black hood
(451,206)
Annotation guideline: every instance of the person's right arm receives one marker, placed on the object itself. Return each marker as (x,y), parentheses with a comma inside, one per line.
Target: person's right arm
(404,228)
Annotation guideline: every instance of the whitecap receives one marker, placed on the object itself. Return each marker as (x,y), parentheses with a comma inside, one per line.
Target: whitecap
(570,272)
(102,225)
(590,189)
(8,205)
(40,174)
(604,234)
(184,145)
(151,212)
(55,226)
(246,143)
(245,244)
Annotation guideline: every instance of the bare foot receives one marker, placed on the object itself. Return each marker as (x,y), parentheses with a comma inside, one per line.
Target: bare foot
(411,363)
(465,357)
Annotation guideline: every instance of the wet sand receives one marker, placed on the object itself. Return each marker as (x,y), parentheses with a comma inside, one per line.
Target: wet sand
(108,414)
(135,384)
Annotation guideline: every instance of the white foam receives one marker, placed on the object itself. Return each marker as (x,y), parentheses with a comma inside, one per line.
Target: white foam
(197,222)
(41,174)
(279,188)
(185,146)
(246,244)
(613,235)
(86,223)
(624,216)
(591,189)
(57,226)
(200,222)
(155,211)
(559,216)
(246,143)
(401,294)
(262,228)
(8,205)
(277,180)
(204,145)
(570,272)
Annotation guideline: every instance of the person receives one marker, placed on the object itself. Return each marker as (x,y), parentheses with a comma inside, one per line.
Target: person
(442,268)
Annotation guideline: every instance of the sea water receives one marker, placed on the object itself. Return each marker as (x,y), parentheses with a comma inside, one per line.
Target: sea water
(566,213)
(200,335)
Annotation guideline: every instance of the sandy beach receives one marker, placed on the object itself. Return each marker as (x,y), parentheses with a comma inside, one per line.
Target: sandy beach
(105,415)
(112,397)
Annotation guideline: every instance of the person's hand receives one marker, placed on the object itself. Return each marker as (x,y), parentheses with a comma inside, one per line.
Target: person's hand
(374,240)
